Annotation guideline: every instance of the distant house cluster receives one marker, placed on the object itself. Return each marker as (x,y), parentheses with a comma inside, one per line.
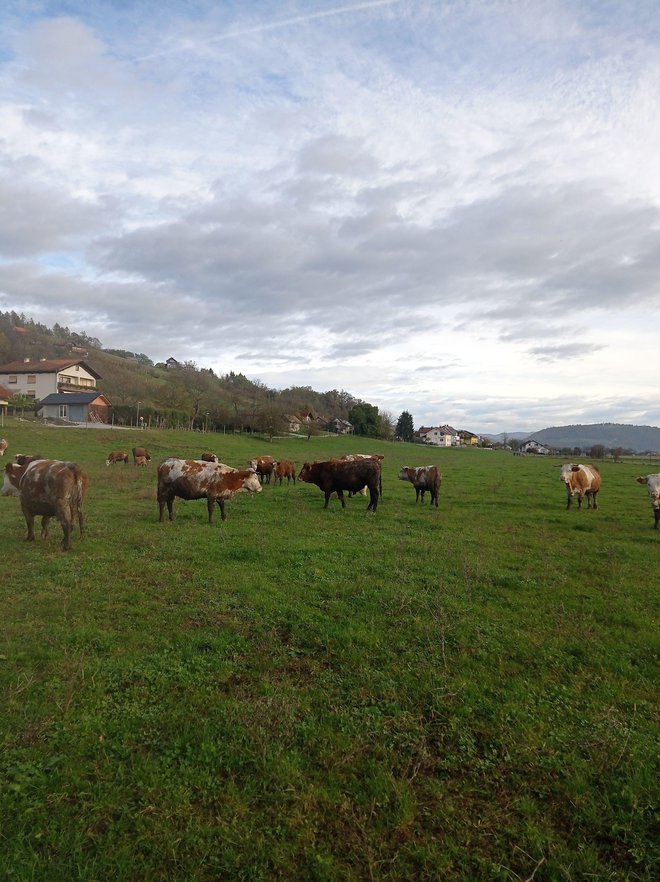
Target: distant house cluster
(65,388)
(302,422)
(447,436)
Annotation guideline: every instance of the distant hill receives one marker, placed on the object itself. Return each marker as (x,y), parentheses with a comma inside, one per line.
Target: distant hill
(611,435)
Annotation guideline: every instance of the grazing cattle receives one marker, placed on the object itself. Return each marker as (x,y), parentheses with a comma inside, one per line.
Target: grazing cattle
(117,456)
(48,488)
(263,466)
(25,458)
(3,446)
(581,481)
(141,461)
(653,486)
(337,475)
(285,468)
(194,479)
(141,452)
(209,457)
(423,478)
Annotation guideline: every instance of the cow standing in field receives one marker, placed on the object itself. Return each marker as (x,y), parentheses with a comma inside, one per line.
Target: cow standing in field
(263,466)
(653,486)
(117,456)
(141,453)
(285,468)
(423,478)
(3,446)
(336,475)
(209,457)
(48,488)
(581,480)
(194,479)
(377,457)
(26,458)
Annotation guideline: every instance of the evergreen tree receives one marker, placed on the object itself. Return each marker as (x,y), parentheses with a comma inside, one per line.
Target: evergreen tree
(404,427)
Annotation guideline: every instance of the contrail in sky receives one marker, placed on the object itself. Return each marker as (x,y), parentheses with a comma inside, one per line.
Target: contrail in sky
(272,26)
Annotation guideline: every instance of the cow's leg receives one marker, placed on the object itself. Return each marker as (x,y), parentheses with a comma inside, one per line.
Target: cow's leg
(340,496)
(579,501)
(373,499)
(656,516)
(221,503)
(44,526)
(569,499)
(328,494)
(29,521)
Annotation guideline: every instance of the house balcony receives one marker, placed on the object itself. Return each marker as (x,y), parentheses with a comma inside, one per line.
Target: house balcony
(74,387)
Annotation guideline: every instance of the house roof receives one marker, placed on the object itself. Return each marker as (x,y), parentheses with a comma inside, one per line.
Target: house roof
(74,398)
(5,393)
(45,366)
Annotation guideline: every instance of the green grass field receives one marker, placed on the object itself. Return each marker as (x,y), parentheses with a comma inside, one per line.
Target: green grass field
(465,693)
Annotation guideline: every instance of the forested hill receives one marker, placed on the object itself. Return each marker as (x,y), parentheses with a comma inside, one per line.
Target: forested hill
(611,435)
(184,394)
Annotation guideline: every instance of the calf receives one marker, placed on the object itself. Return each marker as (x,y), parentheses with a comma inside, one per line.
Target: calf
(581,480)
(48,488)
(285,468)
(141,461)
(117,456)
(263,466)
(653,486)
(423,478)
(141,452)
(193,479)
(3,446)
(337,475)
(209,457)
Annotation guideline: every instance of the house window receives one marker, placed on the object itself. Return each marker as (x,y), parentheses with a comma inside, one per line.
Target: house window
(32,379)
(31,393)
(64,411)
(77,367)
(12,379)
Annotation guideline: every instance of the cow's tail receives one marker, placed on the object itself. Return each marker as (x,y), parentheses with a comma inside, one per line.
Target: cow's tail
(81,482)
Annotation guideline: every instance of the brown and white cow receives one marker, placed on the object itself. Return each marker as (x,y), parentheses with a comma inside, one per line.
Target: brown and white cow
(336,475)
(209,457)
(653,486)
(285,468)
(48,488)
(581,480)
(141,461)
(117,456)
(141,452)
(423,478)
(3,446)
(194,479)
(263,466)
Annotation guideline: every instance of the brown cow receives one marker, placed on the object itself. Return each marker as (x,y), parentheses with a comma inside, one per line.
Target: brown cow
(3,446)
(48,488)
(285,468)
(193,479)
(377,457)
(117,456)
(263,466)
(581,480)
(209,457)
(423,478)
(141,452)
(337,475)
(141,461)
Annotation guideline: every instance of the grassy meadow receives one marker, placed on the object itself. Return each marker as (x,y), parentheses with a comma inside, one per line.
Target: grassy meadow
(466,693)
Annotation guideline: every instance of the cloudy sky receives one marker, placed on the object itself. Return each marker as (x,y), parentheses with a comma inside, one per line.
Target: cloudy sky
(445,206)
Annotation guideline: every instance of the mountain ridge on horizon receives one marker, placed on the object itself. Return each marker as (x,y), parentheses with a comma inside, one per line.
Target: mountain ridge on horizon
(611,435)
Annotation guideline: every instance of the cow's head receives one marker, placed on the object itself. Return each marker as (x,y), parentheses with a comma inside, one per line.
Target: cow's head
(12,478)
(251,482)
(567,471)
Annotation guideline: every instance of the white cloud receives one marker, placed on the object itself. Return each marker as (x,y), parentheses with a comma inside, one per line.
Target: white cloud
(451,208)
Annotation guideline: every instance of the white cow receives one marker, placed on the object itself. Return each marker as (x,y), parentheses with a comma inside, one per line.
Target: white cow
(653,486)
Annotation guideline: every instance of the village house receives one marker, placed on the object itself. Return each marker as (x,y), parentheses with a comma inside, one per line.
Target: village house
(533,446)
(341,427)
(65,387)
(468,439)
(39,377)
(439,436)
